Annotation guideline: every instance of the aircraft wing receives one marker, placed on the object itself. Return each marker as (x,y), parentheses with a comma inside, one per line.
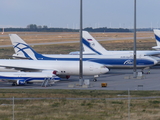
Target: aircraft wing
(152,53)
(30,69)
(24,65)
(25,69)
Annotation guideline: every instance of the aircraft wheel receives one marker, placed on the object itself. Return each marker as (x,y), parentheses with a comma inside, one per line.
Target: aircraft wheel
(95,80)
(13,84)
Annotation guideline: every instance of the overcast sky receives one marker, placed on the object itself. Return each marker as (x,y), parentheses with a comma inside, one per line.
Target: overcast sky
(65,13)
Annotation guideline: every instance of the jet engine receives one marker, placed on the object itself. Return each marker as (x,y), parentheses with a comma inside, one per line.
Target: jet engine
(20,82)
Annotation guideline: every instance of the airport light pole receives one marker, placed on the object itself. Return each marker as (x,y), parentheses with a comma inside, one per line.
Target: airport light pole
(134,67)
(129,102)
(13,109)
(81,49)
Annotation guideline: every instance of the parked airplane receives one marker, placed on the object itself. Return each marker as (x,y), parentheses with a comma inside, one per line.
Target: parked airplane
(22,78)
(23,50)
(59,68)
(93,47)
(157,37)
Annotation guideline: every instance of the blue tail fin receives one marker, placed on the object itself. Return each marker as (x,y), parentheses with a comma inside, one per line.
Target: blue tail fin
(22,49)
(90,45)
(157,37)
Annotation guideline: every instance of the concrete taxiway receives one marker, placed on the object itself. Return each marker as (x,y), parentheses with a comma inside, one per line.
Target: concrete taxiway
(116,79)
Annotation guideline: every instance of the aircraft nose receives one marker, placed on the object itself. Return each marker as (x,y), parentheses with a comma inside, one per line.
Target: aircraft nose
(156,61)
(104,69)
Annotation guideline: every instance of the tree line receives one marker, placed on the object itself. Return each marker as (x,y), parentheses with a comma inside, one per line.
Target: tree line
(35,28)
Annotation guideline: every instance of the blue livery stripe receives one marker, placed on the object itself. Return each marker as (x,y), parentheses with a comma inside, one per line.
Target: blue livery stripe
(89,46)
(105,61)
(157,38)
(27,79)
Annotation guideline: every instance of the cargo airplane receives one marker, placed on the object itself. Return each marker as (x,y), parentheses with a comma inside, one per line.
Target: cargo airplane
(91,46)
(23,50)
(38,70)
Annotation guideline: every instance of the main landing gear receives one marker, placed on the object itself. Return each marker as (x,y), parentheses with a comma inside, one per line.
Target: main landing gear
(14,84)
(148,70)
(95,78)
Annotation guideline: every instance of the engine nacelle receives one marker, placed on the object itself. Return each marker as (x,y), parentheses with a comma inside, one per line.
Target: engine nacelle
(21,82)
(64,76)
(67,76)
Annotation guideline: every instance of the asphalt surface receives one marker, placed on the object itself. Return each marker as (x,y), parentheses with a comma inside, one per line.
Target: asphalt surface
(116,79)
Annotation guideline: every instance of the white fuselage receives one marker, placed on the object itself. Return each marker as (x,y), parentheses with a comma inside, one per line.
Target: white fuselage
(91,46)
(62,67)
(26,76)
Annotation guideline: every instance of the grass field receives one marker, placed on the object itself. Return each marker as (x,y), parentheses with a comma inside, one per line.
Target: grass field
(36,37)
(84,109)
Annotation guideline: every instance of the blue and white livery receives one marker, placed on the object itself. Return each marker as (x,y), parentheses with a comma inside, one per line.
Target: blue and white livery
(92,46)
(115,60)
(157,37)
(22,78)
(51,68)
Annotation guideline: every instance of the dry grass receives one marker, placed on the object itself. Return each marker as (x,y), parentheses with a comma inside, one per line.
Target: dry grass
(145,44)
(65,109)
(37,37)
(71,93)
